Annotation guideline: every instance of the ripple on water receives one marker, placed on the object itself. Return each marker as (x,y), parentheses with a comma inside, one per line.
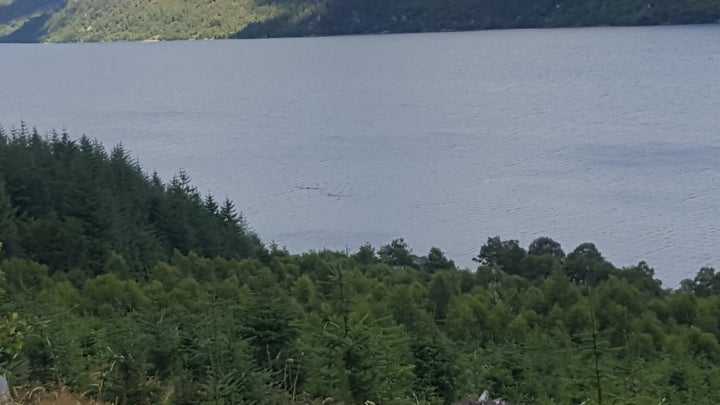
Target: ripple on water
(606,135)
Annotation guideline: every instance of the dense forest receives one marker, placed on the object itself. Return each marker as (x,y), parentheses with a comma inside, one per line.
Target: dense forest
(130,290)
(106,20)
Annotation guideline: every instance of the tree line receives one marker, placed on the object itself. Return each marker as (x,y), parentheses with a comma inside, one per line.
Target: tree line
(70,204)
(133,291)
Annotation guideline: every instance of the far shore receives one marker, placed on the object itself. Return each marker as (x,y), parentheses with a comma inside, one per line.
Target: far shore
(384,32)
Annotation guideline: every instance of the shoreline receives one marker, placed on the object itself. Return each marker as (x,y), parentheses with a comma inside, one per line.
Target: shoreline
(156,38)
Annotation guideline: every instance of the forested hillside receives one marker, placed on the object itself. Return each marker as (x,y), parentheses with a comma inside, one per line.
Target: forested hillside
(106,20)
(72,205)
(132,291)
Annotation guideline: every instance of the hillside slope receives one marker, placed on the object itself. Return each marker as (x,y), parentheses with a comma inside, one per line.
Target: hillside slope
(71,204)
(116,286)
(104,20)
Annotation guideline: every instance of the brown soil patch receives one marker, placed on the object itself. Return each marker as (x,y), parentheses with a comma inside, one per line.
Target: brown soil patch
(40,396)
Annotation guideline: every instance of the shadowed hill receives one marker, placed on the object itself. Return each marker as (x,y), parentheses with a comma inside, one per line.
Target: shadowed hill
(28,8)
(29,18)
(339,17)
(105,20)
(32,30)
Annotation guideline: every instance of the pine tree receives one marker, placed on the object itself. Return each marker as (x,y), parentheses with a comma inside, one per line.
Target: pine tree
(8,228)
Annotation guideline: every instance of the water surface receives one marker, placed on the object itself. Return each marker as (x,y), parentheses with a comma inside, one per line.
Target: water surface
(608,135)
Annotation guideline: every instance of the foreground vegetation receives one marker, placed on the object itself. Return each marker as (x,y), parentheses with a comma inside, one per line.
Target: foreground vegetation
(133,291)
(106,20)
